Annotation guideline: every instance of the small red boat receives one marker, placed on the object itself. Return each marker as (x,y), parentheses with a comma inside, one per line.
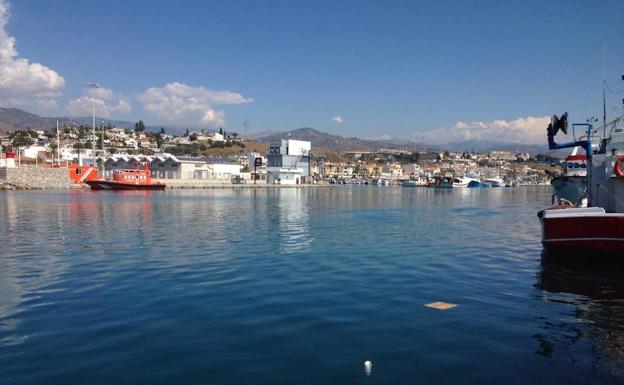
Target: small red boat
(139,179)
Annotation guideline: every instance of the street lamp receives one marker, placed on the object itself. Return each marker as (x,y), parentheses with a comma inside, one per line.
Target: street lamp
(93,86)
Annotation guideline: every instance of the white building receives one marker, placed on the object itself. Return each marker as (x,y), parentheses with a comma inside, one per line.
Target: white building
(258,173)
(411,169)
(288,161)
(172,167)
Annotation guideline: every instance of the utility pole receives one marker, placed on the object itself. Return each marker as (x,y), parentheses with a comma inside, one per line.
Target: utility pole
(58,144)
(93,86)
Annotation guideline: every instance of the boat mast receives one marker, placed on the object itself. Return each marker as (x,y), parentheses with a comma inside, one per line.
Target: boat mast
(604,92)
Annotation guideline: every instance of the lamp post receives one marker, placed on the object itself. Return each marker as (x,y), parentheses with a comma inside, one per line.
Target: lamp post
(103,151)
(93,86)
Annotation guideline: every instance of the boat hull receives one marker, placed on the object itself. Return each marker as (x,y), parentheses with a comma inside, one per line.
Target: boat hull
(475,184)
(112,185)
(577,230)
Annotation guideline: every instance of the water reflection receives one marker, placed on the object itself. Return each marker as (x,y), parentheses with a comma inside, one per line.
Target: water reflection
(293,217)
(596,293)
(29,266)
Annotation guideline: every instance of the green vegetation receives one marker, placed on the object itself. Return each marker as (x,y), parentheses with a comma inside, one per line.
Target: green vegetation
(23,138)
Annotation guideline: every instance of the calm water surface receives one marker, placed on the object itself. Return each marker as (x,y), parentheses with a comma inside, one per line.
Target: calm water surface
(298,286)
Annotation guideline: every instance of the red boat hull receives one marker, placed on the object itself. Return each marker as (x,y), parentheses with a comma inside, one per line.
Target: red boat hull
(582,231)
(112,185)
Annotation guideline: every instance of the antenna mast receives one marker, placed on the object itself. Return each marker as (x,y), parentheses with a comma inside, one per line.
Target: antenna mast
(93,86)
(604,91)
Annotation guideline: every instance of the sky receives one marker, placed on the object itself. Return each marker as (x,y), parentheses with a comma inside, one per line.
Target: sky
(437,71)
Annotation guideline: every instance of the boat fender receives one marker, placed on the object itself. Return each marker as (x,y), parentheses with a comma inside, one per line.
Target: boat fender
(617,168)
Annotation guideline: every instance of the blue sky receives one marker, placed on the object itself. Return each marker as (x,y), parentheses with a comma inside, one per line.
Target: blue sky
(432,70)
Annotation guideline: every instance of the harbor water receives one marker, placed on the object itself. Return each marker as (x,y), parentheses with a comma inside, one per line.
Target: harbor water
(298,286)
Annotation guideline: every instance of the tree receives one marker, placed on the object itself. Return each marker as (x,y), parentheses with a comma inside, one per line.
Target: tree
(162,130)
(139,126)
(159,139)
(221,130)
(78,146)
(21,138)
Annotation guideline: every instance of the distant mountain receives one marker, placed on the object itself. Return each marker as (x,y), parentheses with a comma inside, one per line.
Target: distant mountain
(336,142)
(12,119)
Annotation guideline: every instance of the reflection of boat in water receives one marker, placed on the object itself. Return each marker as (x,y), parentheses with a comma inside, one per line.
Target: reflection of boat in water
(137,179)
(596,294)
(582,277)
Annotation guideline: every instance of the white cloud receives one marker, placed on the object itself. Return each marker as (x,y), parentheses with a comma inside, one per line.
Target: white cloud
(107,104)
(338,119)
(178,103)
(530,130)
(23,83)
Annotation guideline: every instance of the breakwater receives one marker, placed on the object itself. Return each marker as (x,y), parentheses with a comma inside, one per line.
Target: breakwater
(26,178)
(214,183)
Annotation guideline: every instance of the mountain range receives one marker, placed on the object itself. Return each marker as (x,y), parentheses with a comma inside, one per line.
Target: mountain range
(12,119)
(339,143)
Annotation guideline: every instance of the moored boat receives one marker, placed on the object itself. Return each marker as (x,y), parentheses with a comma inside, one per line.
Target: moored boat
(475,184)
(131,179)
(570,185)
(494,182)
(462,181)
(418,182)
(441,182)
(599,227)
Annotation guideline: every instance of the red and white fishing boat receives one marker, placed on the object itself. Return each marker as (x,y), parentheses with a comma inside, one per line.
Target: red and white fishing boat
(137,179)
(599,227)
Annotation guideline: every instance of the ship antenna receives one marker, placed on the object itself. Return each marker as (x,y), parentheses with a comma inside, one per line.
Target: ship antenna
(604,92)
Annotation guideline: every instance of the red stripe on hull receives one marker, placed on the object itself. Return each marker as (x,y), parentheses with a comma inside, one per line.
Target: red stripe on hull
(599,233)
(111,185)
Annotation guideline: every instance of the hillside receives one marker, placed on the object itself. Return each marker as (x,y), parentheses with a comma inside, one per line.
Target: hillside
(12,119)
(332,142)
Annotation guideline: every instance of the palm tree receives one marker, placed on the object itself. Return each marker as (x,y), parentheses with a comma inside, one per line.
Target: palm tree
(54,150)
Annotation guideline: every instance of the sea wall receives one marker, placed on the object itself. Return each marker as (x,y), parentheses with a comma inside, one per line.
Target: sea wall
(208,184)
(34,178)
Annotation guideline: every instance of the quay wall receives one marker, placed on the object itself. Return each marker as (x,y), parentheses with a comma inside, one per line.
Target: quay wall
(35,178)
(208,183)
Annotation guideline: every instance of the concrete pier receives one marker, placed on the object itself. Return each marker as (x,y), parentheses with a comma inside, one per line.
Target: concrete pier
(26,178)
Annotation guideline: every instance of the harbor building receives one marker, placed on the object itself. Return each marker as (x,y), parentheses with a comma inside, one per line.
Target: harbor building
(288,161)
(174,167)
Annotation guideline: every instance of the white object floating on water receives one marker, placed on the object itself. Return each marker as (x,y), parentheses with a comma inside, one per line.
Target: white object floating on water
(368,367)
(441,305)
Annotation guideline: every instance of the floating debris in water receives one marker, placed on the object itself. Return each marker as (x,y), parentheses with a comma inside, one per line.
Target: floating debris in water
(441,305)
(368,367)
